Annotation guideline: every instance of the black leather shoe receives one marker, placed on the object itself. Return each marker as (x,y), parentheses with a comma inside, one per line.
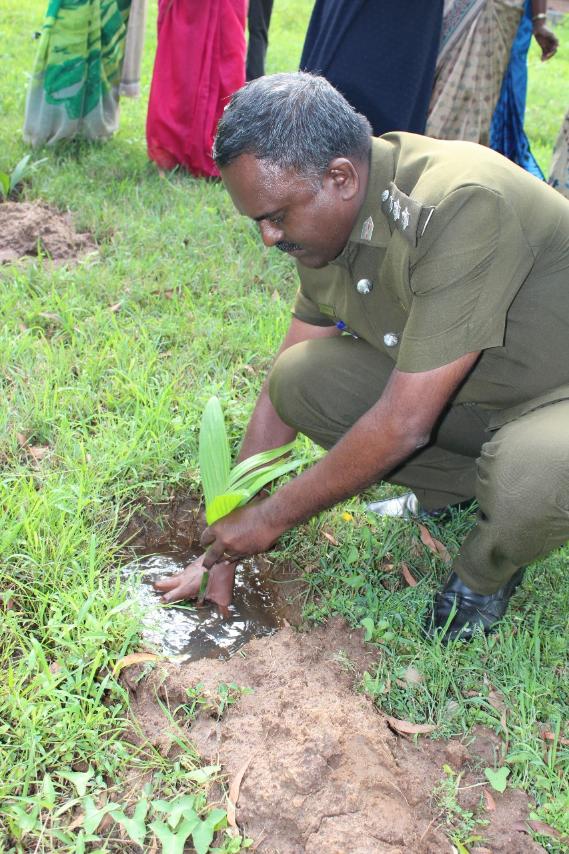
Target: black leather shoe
(473,610)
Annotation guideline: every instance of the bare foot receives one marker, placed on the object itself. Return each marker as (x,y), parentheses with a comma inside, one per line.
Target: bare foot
(186,585)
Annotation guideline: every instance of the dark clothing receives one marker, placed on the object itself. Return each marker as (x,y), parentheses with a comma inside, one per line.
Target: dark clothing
(380,56)
(259,19)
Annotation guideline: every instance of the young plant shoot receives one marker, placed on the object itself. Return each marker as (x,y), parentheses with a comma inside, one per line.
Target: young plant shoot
(226,488)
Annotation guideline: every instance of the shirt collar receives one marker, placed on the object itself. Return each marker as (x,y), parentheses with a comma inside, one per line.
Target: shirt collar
(371,217)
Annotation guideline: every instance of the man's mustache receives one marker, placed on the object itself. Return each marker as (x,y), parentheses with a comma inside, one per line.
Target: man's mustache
(287,247)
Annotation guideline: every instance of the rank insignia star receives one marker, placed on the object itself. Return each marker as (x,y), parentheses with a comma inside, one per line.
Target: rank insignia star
(396,209)
(405,218)
(367,228)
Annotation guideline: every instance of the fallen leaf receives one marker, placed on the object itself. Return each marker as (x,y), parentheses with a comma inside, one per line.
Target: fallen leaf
(234,788)
(37,452)
(490,802)
(330,537)
(50,315)
(412,676)
(275,296)
(406,573)
(433,544)
(22,439)
(537,827)
(407,728)
(116,307)
(550,736)
(77,821)
(388,567)
(134,658)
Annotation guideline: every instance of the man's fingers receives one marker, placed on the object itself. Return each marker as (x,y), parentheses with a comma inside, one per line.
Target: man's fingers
(213,555)
(173,596)
(208,537)
(166,583)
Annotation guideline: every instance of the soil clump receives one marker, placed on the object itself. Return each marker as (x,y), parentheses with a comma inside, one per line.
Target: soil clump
(28,229)
(320,769)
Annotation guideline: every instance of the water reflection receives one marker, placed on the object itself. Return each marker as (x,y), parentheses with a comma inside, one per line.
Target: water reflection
(187,632)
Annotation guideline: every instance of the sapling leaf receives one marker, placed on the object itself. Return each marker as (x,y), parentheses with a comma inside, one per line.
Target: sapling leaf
(226,489)
(4,184)
(257,460)
(252,483)
(19,171)
(223,504)
(214,457)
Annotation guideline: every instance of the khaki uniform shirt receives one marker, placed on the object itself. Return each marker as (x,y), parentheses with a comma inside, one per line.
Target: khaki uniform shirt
(455,250)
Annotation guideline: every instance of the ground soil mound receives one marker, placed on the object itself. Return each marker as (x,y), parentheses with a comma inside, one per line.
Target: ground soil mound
(28,229)
(321,769)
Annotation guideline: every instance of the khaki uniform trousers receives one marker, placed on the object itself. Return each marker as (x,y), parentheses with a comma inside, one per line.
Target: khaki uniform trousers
(519,474)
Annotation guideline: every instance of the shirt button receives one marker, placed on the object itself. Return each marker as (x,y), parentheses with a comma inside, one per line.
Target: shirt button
(364,286)
(391,339)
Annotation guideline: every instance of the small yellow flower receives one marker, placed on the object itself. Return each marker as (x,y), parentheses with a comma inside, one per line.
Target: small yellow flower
(347,517)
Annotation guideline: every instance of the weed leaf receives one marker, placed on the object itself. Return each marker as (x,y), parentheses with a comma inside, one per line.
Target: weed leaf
(498,778)
(135,826)
(79,779)
(172,843)
(202,835)
(367,624)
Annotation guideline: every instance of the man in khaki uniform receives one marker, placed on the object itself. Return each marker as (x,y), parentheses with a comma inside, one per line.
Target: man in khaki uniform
(429,344)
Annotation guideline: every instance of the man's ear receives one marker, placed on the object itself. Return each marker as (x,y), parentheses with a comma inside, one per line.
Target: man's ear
(345,177)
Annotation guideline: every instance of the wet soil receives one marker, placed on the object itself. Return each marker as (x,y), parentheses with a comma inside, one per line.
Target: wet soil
(28,229)
(317,768)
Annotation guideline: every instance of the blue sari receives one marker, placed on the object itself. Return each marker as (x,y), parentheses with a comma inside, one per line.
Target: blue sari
(507,133)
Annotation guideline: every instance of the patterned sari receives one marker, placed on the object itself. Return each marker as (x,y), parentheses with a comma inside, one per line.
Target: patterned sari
(476,40)
(74,90)
(559,175)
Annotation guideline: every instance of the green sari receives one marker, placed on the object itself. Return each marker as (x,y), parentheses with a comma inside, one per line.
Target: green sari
(74,90)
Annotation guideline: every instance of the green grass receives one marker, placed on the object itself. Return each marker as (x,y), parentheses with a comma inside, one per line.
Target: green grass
(115,397)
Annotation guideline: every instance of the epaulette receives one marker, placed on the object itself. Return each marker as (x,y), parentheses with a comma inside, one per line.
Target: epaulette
(405,214)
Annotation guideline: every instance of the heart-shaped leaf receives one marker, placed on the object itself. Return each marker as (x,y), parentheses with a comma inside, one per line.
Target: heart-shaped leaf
(498,778)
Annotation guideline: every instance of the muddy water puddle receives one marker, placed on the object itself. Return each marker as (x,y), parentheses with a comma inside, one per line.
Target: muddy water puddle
(187,632)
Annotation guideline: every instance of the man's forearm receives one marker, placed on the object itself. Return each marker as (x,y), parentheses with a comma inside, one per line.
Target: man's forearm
(363,456)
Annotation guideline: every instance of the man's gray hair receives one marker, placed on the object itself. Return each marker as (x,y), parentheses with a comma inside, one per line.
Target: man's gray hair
(296,121)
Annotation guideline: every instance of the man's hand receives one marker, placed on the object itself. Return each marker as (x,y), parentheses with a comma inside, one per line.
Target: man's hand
(246,531)
(186,585)
(547,40)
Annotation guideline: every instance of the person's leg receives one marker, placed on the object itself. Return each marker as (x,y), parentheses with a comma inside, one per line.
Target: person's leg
(522,488)
(523,493)
(259,19)
(322,387)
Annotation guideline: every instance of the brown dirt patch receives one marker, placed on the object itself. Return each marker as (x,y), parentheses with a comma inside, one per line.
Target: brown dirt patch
(31,228)
(324,773)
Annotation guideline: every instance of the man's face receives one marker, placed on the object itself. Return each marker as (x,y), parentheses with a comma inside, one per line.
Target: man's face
(311,223)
